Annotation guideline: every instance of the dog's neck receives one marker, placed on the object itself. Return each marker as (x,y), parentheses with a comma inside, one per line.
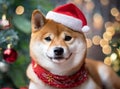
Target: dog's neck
(60,81)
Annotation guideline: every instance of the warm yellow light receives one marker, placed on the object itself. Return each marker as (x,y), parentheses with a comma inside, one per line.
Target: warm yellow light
(106,49)
(107,36)
(114,11)
(104,2)
(4,21)
(103,42)
(97,21)
(77,1)
(89,6)
(110,30)
(113,56)
(19,10)
(3,17)
(89,43)
(96,40)
(107,61)
(108,24)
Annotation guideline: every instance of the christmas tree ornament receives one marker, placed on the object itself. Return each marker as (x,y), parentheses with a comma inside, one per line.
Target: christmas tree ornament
(7,88)
(4,23)
(4,67)
(10,54)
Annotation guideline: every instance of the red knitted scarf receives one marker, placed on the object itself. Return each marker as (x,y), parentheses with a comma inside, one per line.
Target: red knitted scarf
(60,81)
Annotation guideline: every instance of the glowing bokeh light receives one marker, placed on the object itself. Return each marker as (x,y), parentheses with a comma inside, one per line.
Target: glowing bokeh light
(104,2)
(106,49)
(110,30)
(107,61)
(97,21)
(107,36)
(108,24)
(96,40)
(19,10)
(89,6)
(113,56)
(103,42)
(114,12)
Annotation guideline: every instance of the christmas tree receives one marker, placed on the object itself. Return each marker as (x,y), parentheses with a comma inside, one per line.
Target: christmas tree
(14,39)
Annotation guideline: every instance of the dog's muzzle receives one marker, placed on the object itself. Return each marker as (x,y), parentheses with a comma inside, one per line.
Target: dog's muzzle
(58,55)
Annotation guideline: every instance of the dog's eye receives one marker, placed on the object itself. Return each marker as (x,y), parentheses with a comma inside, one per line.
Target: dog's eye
(48,39)
(67,38)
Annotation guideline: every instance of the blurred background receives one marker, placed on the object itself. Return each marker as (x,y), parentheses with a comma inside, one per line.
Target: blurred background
(103,40)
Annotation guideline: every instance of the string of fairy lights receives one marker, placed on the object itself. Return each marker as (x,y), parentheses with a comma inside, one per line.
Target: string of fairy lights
(105,29)
(112,58)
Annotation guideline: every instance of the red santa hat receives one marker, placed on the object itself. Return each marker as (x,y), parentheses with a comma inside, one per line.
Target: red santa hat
(70,16)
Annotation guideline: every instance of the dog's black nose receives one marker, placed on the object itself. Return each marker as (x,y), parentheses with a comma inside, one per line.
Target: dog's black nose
(58,51)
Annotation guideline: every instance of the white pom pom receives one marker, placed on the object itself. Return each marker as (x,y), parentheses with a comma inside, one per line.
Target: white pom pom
(85,28)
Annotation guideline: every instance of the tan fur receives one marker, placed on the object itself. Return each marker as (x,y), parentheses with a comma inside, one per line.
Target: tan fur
(99,74)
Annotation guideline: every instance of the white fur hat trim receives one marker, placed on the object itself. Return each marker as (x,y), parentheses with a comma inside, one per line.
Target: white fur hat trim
(68,21)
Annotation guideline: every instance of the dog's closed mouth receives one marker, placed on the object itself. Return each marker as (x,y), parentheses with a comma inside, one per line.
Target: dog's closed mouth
(56,58)
(59,59)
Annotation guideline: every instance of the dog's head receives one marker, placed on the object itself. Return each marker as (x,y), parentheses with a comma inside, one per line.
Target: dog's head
(55,46)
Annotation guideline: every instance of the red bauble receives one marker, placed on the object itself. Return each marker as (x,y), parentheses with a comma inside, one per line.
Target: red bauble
(7,88)
(10,55)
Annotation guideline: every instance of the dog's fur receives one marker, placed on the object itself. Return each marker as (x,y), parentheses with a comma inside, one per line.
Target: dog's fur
(42,51)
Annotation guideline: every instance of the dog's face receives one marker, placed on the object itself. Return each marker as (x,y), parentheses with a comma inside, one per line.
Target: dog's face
(54,46)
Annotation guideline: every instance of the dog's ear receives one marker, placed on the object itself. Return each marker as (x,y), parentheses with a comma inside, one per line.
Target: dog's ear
(38,20)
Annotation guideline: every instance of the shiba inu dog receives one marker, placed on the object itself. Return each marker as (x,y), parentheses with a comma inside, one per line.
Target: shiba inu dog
(58,54)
